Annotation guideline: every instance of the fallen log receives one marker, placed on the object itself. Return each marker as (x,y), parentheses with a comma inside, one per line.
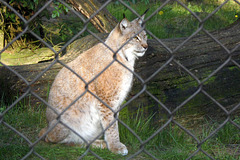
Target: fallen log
(104,22)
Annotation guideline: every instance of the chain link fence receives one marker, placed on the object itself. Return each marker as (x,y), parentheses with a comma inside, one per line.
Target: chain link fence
(32,144)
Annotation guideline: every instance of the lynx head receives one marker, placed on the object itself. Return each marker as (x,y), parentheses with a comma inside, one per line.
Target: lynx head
(131,38)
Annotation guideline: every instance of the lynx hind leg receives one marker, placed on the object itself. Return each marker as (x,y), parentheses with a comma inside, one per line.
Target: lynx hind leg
(99,144)
(57,134)
(43,131)
(96,144)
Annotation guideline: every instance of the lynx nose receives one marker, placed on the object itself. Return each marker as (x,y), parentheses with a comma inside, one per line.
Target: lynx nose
(145,46)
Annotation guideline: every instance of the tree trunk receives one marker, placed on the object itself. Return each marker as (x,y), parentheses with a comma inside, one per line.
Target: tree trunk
(103,21)
(172,85)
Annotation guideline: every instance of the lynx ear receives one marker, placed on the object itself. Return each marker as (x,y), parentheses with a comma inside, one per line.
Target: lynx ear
(140,20)
(124,25)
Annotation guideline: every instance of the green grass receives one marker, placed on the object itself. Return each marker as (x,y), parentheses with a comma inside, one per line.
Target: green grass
(175,21)
(171,143)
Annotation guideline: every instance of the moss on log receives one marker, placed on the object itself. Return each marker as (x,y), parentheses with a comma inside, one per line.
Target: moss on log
(27,56)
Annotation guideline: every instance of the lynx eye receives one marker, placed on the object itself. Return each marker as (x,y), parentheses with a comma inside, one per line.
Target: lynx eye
(137,38)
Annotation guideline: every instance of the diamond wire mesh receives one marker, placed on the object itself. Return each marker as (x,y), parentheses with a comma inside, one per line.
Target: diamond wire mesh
(172,59)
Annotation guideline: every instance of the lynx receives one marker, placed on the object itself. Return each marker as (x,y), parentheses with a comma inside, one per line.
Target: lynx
(88,116)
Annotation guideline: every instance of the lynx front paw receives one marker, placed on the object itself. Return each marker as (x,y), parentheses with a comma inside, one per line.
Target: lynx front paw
(118,148)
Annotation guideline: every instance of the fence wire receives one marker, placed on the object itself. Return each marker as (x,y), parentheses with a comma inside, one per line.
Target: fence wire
(172,59)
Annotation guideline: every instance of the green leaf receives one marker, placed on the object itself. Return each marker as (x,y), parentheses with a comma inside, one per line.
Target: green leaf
(35,1)
(12,17)
(54,14)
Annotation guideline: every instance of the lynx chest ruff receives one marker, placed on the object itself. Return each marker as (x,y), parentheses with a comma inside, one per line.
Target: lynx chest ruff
(125,87)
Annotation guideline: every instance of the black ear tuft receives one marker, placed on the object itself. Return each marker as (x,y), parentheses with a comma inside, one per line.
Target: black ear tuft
(140,20)
(124,16)
(145,12)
